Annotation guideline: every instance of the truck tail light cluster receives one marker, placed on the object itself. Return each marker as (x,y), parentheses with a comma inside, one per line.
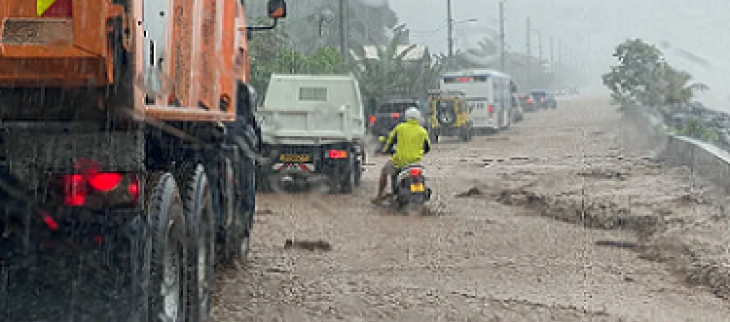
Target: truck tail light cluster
(96,189)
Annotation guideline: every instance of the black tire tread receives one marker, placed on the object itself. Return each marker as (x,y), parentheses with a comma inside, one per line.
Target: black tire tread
(163,205)
(194,187)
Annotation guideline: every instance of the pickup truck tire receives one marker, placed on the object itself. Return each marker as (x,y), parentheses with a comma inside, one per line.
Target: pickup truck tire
(347,180)
(199,214)
(263,183)
(167,275)
(359,169)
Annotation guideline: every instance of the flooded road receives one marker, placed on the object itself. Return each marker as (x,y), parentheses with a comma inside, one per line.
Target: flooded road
(546,221)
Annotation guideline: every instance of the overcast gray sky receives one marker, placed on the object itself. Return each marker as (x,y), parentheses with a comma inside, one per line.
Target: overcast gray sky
(590,29)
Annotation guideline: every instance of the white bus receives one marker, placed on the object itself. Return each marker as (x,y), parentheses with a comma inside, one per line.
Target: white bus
(488,95)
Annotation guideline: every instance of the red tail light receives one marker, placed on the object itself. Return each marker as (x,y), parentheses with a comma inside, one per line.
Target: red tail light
(394,115)
(337,154)
(105,182)
(490,108)
(415,172)
(55,8)
(372,120)
(529,100)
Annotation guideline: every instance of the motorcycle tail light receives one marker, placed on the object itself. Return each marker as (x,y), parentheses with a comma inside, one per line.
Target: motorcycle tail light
(415,172)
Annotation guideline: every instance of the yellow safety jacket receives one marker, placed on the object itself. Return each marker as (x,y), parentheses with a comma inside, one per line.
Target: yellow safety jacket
(411,141)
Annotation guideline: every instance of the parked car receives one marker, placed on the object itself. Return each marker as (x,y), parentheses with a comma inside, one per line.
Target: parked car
(544,99)
(392,112)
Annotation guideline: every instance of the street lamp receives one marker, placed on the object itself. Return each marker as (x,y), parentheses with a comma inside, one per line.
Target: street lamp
(450,20)
(451,25)
(326,16)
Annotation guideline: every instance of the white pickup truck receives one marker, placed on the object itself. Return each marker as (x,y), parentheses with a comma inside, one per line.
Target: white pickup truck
(313,128)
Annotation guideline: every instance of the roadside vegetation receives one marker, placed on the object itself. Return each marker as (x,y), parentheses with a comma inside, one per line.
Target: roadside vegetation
(643,79)
(312,46)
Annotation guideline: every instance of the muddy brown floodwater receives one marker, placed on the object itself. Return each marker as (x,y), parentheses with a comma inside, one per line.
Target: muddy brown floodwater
(542,222)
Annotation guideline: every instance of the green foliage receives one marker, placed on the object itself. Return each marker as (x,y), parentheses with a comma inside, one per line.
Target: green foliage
(710,135)
(390,73)
(644,77)
(268,56)
(695,129)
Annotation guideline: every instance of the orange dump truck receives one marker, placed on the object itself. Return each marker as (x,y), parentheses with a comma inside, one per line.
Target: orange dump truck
(128,151)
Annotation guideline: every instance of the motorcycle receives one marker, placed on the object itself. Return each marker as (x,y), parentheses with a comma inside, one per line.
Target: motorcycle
(409,191)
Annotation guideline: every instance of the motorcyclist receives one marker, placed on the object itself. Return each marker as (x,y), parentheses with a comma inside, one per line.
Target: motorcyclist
(411,143)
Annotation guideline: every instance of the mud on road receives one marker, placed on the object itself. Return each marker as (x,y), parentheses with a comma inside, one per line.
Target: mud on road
(563,217)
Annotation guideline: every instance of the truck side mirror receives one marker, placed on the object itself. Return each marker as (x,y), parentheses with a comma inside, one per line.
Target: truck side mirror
(277,9)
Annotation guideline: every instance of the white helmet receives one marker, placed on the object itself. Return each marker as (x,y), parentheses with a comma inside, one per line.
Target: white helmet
(413,114)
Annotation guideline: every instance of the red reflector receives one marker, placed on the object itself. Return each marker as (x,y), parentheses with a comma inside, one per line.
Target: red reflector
(134,189)
(415,172)
(337,154)
(74,189)
(490,108)
(105,182)
(48,220)
(394,115)
(372,120)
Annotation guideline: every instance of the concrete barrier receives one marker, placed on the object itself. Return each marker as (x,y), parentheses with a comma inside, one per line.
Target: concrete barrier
(703,159)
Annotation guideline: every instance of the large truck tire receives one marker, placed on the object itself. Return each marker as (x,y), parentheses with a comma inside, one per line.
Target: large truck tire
(167,275)
(238,234)
(200,217)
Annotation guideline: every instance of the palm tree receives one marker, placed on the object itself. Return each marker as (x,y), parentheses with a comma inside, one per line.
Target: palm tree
(677,87)
(390,73)
(484,56)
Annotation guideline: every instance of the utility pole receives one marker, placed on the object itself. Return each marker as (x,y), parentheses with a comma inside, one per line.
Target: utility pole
(450,23)
(541,70)
(501,35)
(552,56)
(539,49)
(529,54)
(343,30)
(560,52)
